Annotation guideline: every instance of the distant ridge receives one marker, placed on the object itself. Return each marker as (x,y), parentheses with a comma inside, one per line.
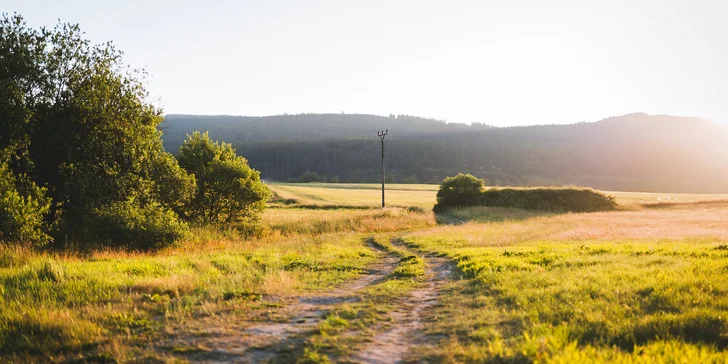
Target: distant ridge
(634,152)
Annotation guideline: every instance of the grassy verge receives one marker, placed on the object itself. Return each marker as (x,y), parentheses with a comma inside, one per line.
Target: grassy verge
(585,288)
(297,221)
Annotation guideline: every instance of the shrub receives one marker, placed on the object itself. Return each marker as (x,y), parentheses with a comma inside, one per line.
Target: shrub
(465,190)
(548,199)
(23,206)
(131,225)
(229,193)
(459,191)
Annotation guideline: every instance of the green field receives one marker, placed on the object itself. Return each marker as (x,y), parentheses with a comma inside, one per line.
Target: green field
(335,279)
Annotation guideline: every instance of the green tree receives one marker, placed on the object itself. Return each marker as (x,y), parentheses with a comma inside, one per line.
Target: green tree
(79,124)
(229,193)
(411,179)
(309,177)
(461,190)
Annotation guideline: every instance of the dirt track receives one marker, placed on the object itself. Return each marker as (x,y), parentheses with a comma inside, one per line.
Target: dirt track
(271,341)
(405,330)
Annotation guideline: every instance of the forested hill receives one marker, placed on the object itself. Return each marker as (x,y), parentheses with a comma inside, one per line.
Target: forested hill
(635,152)
(303,126)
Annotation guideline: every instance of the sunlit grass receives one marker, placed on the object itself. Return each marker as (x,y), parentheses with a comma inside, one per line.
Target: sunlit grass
(111,302)
(358,194)
(363,194)
(636,284)
(293,221)
(59,290)
(632,285)
(652,197)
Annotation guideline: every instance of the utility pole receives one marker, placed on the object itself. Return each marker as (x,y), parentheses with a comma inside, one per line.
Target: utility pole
(381,134)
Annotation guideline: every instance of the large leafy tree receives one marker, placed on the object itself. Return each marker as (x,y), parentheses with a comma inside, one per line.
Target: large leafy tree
(77,122)
(229,192)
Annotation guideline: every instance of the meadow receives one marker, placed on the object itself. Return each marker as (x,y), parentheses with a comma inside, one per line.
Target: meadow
(423,195)
(337,279)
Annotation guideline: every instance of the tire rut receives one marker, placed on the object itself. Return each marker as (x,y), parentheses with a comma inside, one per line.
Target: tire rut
(266,341)
(406,329)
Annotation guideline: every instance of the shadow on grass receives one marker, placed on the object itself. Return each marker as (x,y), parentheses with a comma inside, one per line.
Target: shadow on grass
(288,350)
(463,215)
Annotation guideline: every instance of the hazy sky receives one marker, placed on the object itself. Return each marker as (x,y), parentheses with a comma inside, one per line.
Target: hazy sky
(499,62)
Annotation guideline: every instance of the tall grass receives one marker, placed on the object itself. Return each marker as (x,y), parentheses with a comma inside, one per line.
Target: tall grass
(624,286)
(113,303)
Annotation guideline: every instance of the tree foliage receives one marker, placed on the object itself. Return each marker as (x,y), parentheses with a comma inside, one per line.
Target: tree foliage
(229,193)
(309,177)
(459,191)
(75,121)
(635,152)
(23,206)
(133,225)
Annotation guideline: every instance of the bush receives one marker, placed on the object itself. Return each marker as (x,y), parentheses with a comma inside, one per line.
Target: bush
(229,193)
(23,206)
(548,199)
(128,224)
(465,190)
(459,191)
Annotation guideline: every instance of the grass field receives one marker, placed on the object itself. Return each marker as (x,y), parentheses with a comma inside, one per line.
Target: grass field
(421,195)
(357,194)
(335,279)
(630,285)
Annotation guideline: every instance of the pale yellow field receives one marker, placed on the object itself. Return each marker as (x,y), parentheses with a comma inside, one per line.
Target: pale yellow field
(358,194)
(369,194)
(647,197)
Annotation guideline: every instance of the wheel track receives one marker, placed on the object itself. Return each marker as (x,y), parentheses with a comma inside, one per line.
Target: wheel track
(393,343)
(266,341)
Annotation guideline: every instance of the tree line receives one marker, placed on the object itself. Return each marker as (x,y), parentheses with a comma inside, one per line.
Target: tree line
(635,152)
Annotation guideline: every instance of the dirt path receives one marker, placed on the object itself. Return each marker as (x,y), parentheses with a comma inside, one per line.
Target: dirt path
(276,341)
(405,332)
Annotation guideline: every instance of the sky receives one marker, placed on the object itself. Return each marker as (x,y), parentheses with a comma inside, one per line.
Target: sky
(515,62)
